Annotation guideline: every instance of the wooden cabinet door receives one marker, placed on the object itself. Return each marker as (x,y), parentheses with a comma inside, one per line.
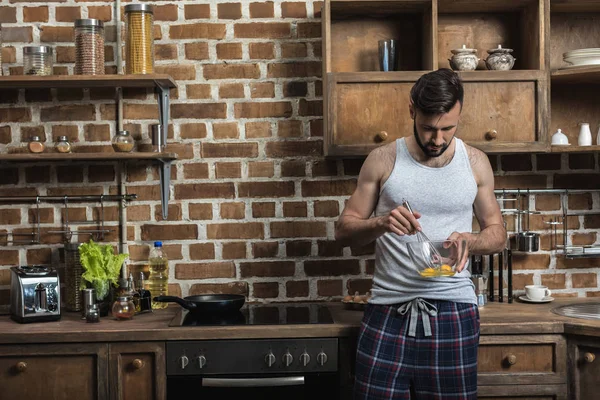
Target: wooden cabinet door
(54,371)
(584,368)
(522,392)
(138,371)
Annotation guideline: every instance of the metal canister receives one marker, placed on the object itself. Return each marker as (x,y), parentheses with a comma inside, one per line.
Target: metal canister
(89,299)
(139,42)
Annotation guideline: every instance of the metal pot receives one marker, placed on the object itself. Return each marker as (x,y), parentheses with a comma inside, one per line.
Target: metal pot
(528,241)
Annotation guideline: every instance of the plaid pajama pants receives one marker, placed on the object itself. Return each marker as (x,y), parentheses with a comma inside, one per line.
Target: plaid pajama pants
(395,360)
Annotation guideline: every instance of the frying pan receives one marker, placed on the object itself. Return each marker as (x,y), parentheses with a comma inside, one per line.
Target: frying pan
(207,303)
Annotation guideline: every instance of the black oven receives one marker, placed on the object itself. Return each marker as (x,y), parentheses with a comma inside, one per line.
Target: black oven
(286,369)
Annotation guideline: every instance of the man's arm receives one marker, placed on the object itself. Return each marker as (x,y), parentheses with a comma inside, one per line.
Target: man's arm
(492,235)
(355,225)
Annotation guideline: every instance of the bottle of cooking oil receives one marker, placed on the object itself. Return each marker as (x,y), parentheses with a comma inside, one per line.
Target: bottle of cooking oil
(158,282)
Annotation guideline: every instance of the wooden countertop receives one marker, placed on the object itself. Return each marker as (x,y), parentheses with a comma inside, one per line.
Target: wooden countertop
(496,319)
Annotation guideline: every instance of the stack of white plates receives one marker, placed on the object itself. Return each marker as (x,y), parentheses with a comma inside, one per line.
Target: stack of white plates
(581,57)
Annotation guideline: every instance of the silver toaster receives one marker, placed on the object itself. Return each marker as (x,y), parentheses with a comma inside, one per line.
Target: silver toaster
(34,294)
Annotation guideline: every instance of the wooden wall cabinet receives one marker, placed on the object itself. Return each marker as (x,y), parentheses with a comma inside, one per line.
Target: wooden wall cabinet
(584,368)
(82,371)
(505,111)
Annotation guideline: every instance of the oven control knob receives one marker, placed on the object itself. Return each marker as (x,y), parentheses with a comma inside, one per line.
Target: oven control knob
(201,361)
(288,359)
(270,359)
(183,362)
(321,358)
(304,359)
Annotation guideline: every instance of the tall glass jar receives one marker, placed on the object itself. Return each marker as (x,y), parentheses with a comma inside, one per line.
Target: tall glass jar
(37,60)
(139,42)
(89,47)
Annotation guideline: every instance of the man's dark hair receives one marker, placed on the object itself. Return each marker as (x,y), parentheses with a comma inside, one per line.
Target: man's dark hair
(437,92)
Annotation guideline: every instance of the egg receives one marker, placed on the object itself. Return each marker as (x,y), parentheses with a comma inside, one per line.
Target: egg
(347,298)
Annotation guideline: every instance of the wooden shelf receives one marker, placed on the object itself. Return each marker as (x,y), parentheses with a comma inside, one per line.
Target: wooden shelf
(28,157)
(584,74)
(412,76)
(85,81)
(574,149)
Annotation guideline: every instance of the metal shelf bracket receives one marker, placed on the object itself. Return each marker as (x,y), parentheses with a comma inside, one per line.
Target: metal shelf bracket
(165,165)
(165,186)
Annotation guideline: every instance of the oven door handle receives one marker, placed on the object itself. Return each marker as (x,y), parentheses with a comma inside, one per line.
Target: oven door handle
(253,382)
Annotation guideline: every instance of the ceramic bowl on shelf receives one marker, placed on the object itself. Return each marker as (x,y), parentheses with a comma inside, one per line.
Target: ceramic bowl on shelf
(436,259)
(500,59)
(464,59)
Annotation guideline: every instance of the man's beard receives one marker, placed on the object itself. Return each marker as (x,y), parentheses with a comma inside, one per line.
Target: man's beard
(424,148)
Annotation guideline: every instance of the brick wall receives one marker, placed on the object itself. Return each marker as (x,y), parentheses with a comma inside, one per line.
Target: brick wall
(253,200)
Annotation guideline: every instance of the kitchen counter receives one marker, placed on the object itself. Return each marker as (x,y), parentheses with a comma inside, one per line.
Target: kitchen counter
(496,319)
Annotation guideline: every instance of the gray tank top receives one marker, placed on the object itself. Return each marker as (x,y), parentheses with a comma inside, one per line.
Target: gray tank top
(444,197)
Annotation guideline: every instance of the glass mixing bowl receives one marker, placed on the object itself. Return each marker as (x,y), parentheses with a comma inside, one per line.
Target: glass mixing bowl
(437,258)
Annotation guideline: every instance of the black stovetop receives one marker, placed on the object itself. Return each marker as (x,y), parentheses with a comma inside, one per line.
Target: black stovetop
(260,314)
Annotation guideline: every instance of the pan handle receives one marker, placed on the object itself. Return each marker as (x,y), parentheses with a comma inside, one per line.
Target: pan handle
(182,302)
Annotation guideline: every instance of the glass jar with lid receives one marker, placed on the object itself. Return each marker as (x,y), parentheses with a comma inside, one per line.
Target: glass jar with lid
(37,60)
(123,308)
(36,145)
(63,145)
(139,42)
(89,47)
(122,142)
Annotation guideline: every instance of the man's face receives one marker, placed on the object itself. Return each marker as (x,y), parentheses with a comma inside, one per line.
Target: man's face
(434,133)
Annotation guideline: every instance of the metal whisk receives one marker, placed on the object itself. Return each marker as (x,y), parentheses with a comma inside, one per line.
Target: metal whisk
(430,253)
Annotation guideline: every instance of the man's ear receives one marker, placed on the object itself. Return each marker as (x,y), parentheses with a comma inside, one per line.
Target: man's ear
(411,108)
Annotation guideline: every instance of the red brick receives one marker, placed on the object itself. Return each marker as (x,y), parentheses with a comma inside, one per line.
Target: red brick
(293,209)
(316,128)
(262,90)
(530,261)
(326,208)
(566,263)
(298,248)
(231,91)
(263,210)
(10,216)
(262,10)
(547,202)
(197,31)
(215,288)
(581,201)
(293,50)
(229,10)
(261,51)
(196,51)
(267,269)
(195,171)
(53,34)
(581,161)
(234,250)
(328,188)
(265,290)
(235,210)
(298,229)
(297,148)
(225,130)
(266,189)
(295,69)
(169,232)
(204,191)
(260,129)
(96,133)
(587,280)
(263,109)
(231,71)
(207,270)
(309,107)
(261,169)
(293,10)
(39,256)
(101,173)
(166,12)
(228,170)
(197,11)
(582,239)
(6,136)
(31,14)
(201,91)
(68,112)
(37,175)
(554,281)
(249,230)
(331,267)
(199,111)
(329,248)
(201,211)
(262,30)
(220,150)
(265,249)
(308,30)
(15,114)
(21,34)
(165,52)
(67,14)
(324,168)
(577,181)
(192,131)
(293,168)
(296,289)
(362,286)
(175,213)
(229,51)
(300,89)
(69,175)
(103,13)
(330,288)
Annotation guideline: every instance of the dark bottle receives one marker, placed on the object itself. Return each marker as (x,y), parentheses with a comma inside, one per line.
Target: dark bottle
(144,296)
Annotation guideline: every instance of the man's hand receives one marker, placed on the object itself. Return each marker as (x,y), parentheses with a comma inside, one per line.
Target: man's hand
(400,221)
(461,248)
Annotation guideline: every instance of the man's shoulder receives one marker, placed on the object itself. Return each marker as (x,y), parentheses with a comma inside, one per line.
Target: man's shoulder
(380,160)
(475,155)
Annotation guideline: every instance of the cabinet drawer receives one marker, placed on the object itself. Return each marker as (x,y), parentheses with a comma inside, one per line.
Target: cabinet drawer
(533,359)
(54,371)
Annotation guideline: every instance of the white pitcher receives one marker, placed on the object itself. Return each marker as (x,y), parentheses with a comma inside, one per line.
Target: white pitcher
(598,137)
(585,135)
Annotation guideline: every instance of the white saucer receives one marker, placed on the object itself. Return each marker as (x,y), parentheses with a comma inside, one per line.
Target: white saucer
(544,300)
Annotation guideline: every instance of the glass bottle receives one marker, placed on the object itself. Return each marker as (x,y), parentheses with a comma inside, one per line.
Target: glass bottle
(158,282)
(36,145)
(122,142)
(63,145)
(139,40)
(37,60)
(123,308)
(89,47)
(145,297)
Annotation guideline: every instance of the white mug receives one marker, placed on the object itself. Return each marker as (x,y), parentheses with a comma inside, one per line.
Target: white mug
(537,292)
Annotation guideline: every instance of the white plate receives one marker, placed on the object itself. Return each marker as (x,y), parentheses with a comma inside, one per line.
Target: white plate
(582,51)
(578,66)
(544,300)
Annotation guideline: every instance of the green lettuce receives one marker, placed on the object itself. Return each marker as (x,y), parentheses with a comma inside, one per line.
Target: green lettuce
(101,267)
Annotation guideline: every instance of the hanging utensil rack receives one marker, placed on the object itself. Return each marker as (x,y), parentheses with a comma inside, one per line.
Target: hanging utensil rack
(67,231)
(569,251)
